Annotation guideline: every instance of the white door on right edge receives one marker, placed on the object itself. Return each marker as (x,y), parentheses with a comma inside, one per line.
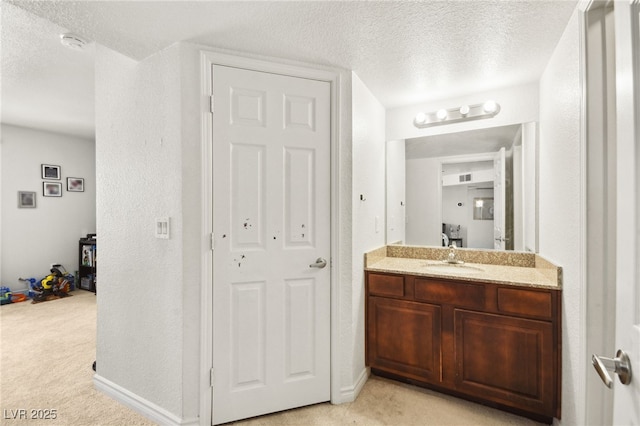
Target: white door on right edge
(626,398)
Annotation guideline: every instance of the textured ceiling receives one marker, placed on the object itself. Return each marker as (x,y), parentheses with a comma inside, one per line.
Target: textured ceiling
(44,85)
(405,52)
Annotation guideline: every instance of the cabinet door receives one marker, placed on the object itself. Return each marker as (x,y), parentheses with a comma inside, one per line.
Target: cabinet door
(404,338)
(506,359)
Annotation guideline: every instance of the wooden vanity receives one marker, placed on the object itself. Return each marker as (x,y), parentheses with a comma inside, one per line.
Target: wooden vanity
(497,343)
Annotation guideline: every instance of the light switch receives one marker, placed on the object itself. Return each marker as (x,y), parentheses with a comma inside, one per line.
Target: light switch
(163,228)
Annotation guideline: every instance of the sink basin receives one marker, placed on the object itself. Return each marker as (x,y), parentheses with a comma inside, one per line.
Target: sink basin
(452,268)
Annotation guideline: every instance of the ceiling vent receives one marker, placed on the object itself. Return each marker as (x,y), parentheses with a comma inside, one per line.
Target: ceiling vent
(72,41)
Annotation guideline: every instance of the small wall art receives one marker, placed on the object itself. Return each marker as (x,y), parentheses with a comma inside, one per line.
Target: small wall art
(50,171)
(52,189)
(75,184)
(26,200)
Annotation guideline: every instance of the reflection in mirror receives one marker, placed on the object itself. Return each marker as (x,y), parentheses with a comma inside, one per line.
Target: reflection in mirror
(476,189)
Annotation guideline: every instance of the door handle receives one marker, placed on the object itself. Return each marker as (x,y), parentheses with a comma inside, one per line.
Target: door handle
(320,263)
(619,365)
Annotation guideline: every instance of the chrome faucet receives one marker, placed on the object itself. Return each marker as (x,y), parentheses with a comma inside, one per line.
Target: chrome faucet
(452,253)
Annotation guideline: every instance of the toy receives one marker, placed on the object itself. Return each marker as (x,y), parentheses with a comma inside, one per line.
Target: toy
(55,285)
(5,295)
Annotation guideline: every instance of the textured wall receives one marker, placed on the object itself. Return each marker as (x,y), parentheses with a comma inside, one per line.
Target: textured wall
(195,245)
(139,172)
(560,206)
(368,214)
(33,239)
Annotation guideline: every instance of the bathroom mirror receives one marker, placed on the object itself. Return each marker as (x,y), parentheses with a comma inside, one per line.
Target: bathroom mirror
(435,185)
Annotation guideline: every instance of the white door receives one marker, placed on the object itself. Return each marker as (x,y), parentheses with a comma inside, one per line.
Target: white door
(626,403)
(271,196)
(499,188)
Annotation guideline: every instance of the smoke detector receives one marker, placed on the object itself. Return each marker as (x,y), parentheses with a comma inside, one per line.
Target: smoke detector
(72,41)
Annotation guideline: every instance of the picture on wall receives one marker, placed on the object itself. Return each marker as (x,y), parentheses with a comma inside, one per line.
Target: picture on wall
(50,172)
(26,199)
(75,184)
(52,189)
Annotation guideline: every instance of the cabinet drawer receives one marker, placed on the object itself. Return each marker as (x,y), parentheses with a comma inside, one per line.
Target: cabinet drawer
(450,293)
(386,285)
(525,302)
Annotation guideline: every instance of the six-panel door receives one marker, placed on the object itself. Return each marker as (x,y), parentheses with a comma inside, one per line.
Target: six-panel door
(271,183)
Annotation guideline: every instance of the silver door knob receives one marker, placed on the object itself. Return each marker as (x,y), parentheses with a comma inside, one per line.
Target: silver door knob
(619,365)
(320,263)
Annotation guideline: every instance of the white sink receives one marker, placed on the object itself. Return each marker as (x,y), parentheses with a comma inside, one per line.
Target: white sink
(452,268)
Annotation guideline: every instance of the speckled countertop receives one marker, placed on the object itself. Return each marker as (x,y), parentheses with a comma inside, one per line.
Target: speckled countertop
(489,266)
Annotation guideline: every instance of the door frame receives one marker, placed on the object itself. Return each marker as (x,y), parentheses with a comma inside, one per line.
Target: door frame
(208,58)
(598,251)
(455,159)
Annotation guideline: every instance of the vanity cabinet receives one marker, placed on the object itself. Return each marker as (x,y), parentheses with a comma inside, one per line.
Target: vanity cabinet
(492,343)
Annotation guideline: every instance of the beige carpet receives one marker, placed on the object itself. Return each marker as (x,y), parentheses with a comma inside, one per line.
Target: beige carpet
(47,352)
(387,402)
(48,348)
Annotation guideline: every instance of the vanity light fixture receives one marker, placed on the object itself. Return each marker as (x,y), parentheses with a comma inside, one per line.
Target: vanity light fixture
(421,118)
(452,115)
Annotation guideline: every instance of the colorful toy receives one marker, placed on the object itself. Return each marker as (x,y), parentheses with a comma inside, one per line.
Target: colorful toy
(5,295)
(55,285)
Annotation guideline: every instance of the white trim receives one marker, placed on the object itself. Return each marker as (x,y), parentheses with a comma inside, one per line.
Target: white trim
(209,57)
(580,378)
(350,393)
(140,405)
(206,294)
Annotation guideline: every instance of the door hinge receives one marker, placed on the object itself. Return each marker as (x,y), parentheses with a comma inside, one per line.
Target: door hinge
(213,242)
(212,378)
(211,103)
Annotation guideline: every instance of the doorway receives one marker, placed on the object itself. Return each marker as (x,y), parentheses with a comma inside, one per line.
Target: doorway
(273,212)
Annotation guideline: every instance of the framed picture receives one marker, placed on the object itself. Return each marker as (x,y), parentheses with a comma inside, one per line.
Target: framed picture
(52,189)
(26,200)
(50,172)
(75,184)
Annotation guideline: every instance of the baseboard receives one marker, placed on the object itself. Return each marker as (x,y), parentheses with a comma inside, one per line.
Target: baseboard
(350,393)
(146,408)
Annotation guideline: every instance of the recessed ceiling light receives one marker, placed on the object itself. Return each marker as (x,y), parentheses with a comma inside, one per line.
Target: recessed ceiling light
(72,41)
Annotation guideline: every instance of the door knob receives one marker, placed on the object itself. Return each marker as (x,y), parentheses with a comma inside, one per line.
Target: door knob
(619,365)
(320,263)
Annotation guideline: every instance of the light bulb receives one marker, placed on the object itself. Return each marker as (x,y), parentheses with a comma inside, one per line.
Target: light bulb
(464,110)
(421,118)
(441,114)
(490,106)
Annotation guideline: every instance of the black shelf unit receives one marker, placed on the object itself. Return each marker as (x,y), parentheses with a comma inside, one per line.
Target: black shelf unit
(87,251)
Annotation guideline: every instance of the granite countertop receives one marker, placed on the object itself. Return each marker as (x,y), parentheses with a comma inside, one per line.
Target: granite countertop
(519,269)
